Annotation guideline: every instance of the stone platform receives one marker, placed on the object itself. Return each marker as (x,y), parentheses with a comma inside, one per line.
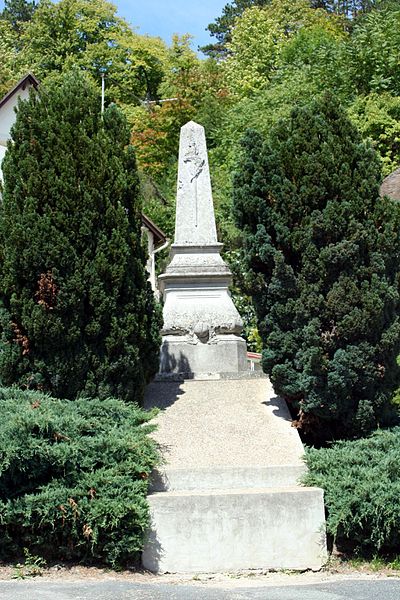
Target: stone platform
(227,497)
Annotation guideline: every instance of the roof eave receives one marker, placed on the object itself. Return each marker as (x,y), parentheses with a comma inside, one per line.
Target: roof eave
(159,236)
(28,78)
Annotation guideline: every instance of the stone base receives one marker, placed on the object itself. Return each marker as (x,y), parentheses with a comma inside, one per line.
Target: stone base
(226,354)
(228,530)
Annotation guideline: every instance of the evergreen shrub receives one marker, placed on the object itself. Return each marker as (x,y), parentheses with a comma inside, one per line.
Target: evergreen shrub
(78,316)
(361,479)
(322,252)
(73,477)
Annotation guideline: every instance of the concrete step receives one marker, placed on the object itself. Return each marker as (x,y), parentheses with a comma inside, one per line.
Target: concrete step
(214,478)
(226,497)
(228,530)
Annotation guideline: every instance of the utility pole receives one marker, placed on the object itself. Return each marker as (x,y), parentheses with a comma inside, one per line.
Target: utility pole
(102,91)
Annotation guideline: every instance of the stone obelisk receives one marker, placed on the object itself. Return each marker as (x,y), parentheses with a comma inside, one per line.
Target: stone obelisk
(201,331)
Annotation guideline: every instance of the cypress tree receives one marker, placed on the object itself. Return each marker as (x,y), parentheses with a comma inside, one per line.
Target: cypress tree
(323,253)
(78,316)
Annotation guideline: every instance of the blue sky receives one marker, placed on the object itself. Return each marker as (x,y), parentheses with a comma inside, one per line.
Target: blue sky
(165,17)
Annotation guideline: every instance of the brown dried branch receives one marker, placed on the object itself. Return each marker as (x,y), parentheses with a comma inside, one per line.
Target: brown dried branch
(21,339)
(47,292)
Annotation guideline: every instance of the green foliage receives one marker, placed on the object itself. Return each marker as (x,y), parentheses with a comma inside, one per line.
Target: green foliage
(73,477)
(78,315)
(9,72)
(157,205)
(377,117)
(316,54)
(377,563)
(283,55)
(242,301)
(351,9)
(156,127)
(190,91)
(17,12)
(260,37)
(361,480)
(32,567)
(286,54)
(6,76)
(88,33)
(323,250)
(373,54)
(222,27)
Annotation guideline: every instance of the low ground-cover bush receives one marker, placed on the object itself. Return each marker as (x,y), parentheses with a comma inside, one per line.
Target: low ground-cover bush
(73,477)
(361,480)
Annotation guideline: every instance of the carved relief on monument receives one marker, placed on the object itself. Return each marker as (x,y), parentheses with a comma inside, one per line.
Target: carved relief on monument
(202,326)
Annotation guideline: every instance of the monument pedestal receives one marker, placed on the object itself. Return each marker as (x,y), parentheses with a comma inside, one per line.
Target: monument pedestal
(226,354)
(201,331)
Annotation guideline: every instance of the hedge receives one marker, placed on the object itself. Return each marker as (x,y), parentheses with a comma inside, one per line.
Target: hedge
(361,479)
(73,477)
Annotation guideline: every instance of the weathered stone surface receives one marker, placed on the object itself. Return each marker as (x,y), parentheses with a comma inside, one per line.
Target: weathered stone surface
(166,479)
(203,352)
(391,185)
(223,423)
(195,223)
(227,530)
(201,331)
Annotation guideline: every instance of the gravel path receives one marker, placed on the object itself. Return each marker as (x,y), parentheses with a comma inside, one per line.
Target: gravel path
(229,423)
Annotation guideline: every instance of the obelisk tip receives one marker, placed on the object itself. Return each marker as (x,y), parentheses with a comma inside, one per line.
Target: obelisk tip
(192,125)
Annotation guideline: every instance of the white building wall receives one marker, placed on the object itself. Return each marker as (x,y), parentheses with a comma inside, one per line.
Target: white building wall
(2,153)
(150,266)
(7,120)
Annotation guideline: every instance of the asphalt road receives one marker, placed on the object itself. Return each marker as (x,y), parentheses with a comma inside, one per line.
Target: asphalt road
(388,589)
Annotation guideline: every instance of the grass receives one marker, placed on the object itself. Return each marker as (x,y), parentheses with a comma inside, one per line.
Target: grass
(376,564)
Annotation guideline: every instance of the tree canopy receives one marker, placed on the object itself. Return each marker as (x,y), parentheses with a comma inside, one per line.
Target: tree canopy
(260,36)
(89,34)
(222,27)
(17,12)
